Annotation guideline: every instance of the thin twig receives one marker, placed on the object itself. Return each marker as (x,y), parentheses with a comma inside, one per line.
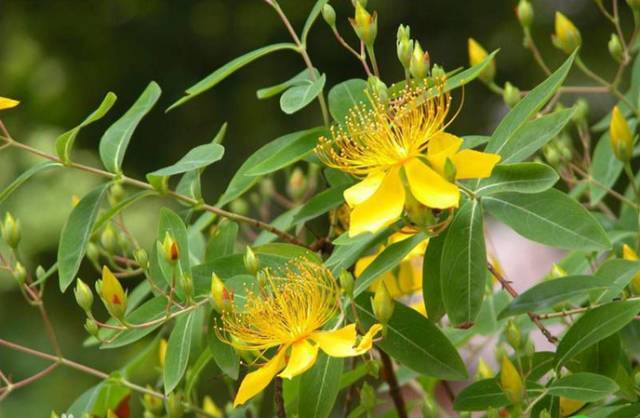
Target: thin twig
(279,398)
(392,381)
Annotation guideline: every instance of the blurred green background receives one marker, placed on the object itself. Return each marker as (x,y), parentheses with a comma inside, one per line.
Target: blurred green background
(60,57)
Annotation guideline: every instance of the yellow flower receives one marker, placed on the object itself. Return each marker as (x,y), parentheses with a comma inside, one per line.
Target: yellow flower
(511,381)
(113,296)
(162,351)
(569,406)
(401,145)
(620,136)
(629,254)
(567,36)
(477,54)
(6,103)
(288,312)
(210,407)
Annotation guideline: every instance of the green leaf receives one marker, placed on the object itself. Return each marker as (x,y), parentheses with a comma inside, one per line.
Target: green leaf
(473,141)
(386,261)
(297,97)
(223,354)
(585,387)
(5,192)
(318,387)
(64,143)
(469,74)
(303,77)
(226,70)
(298,146)
(242,181)
(178,349)
(199,157)
(595,325)
(415,341)
(481,395)
(549,293)
(99,399)
(344,96)
(313,15)
(196,370)
(107,215)
(320,203)
(617,274)
(75,235)
(431,284)
(463,266)
(115,140)
(345,254)
(601,358)
(189,185)
(518,177)
(550,217)
(170,222)
(534,134)
(223,240)
(526,108)
(152,310)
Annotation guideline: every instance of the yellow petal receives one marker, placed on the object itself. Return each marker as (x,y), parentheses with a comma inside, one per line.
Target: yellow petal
(409,280)
(112,290)
(628,253)
(419,307)
(342,342)
(569,406)
(472,164)
(256,381)
(429,188)
(362,191)
(441,147)
(382,208)
(303,355)
(363,263)
(6,103)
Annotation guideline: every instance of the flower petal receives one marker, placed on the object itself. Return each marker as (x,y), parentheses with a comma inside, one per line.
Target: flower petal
(363,190)
(342,342)
(382,208)
(303,355)
(428,187)
(472,164)
(6,103)
(441,147)
(256,381)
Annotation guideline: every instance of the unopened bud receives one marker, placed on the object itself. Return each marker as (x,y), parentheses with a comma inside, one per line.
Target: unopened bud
(266,188)
(84,295)
(91,326)
(297,184)
(141,257)
(569,406)
(420,62)
(620,136)
(108,238)
(437,72)
(239,206)
(174,405)
(186,281)
(329,15)
(483,371)
(20,273)
(217,293)
(615,48)
(382,304)
(513,335)
(404,46)
(511,94)
(93,253)
(40,273)
(170,248)
(524,11)
(250,261)
(511,381)
(365,24)
(11,230)
(477,54)
(581,114)
(210,407)
(629,254)
(112,294)
(116,193)
(346,282)
(567,36)
(151,403)
(544,414)
(162,352)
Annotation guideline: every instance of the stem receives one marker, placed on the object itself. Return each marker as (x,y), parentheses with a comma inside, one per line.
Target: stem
(279,398)
(569,312)
(374,62)
(392,381)
(534,318)
(531,45)
(95,372)
(587,176)
(355,53)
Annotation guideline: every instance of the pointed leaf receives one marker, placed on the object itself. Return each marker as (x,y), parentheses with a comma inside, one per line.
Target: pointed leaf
(318,387)
(297,97)
(344,96)
(585,387)
(178,349)
(518,177)
(431,278)
(6,191)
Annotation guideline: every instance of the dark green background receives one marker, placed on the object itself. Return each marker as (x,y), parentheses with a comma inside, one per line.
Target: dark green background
(59,57)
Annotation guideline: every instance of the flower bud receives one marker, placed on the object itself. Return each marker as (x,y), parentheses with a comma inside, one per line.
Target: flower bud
(544,414)
(93,253)
(620,136)
(210,407)
(162,352)
(170,248)
(141,257)
(151,403)
(476,55)
(186,281)
(420,62)
(329,15)
(615,48)
(11,230)
(483,371)
(174,405)
(581,114)
(266,188)
(20,273)
(557,272)
(250,261)
(217,293)
(84,295)
(513,335)
(116,193)
(567,37)
(112,294)
(365,24)
(297,185)
(239,206)
(382,304)
(511,94)
(404,46)
(40,273)
(108,238)
(629,254)
(511,381)
(569,406)
(346,282)
(437,72)
(91,326)
(6,103)
(524,11)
